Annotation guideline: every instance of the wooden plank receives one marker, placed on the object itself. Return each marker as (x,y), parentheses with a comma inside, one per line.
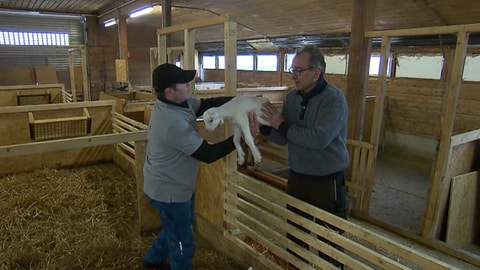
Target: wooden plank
(450,29)
(45,74)
(465,137)
(130,121)
(438,191)
(121,74)
(16,76)
(148,216)
(195,24)
(462,213)
(59,106)
(71,143)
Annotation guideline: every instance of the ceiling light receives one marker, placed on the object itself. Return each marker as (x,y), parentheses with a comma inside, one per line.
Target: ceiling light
(141,11)
(110,22)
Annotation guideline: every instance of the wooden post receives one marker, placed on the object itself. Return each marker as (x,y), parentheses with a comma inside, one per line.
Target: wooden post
(123,46)
(86,85)
(439,189)
(72,75)
(376,122)
(359,61)
(189,54)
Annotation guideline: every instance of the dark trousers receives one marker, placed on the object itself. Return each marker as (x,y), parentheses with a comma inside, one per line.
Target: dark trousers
(325,192)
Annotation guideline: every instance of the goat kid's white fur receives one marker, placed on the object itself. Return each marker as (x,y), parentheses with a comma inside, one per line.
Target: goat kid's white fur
(236,113)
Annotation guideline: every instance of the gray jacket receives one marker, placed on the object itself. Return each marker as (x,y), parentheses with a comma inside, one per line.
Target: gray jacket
(316,143)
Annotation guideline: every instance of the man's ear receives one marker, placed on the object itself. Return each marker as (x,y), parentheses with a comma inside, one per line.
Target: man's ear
(318,72)
(168,91)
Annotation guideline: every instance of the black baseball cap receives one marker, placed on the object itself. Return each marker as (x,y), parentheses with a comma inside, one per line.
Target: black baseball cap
(167,74)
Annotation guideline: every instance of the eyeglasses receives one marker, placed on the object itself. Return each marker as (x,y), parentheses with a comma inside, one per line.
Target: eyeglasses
(298,71)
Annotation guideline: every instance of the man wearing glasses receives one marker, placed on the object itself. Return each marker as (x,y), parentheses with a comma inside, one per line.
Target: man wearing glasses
(313,123)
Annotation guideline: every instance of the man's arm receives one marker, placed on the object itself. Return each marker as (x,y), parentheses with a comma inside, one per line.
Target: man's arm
(209,153)
(207,103)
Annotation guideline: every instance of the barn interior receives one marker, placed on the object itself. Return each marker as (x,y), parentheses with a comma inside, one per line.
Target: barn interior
(76,92)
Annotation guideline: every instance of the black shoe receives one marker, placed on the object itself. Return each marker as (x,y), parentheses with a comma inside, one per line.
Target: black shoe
(156,266)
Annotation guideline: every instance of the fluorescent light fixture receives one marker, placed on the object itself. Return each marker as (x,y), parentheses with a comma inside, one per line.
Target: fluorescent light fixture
(141,11)
(110,22)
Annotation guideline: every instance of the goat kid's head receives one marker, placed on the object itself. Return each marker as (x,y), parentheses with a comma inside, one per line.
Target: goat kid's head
(211,119)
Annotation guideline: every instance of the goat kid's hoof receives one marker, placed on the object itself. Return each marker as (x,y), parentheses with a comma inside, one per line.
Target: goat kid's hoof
(257,160)
(240,161)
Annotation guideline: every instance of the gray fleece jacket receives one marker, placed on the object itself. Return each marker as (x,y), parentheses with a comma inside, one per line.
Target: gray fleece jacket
(315,129)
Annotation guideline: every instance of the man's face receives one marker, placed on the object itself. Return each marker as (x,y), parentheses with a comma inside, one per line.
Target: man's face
(181,92)
(303,74)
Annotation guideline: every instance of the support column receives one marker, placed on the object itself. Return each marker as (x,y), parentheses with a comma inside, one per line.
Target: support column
(358,65)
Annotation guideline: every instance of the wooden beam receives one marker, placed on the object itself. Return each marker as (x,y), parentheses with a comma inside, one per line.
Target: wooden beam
(70,143)
(439,188)
(55,106)
(195,24)
(359,60)
(450,29)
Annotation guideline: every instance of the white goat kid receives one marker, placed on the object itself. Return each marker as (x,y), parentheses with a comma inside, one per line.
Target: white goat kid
(236,113)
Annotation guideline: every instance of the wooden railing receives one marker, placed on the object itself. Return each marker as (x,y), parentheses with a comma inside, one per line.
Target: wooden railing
(67,97)
(123,124)
(258,221)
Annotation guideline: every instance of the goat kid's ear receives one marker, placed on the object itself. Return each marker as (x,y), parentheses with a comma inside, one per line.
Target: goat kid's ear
(221,121)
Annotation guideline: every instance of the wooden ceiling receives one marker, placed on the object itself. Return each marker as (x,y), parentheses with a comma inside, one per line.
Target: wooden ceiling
(265,19)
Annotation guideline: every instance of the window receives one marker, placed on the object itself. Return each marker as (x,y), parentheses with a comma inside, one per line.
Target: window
(208,61)
(33,38)
(288,61)
(245,62)
(336,64)
(267,62)
(428,67)
(375,65)
(471,71)
(221,62)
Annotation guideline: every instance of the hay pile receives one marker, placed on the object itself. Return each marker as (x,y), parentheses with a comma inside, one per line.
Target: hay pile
(83,218)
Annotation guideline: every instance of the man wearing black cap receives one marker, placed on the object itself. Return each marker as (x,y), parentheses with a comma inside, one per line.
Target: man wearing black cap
(174,151)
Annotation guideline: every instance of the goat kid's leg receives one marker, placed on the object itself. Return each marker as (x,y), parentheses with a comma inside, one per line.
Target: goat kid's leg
(247,136)
(237,136)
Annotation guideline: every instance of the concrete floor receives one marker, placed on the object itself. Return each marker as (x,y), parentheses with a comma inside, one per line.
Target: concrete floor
(400,190)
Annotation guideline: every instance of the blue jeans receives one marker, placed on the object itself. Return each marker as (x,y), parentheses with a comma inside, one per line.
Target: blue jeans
(175,239)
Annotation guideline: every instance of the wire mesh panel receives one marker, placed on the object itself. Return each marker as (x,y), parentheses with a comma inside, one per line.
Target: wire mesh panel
(58,128)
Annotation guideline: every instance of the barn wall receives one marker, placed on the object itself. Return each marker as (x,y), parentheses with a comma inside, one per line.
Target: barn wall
(14,129)
(103,49)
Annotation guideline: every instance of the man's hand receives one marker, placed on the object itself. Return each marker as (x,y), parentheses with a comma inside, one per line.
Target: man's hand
(272,115)
(253,124)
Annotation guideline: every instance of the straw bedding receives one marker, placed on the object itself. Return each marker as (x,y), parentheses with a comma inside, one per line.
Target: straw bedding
(83,218)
